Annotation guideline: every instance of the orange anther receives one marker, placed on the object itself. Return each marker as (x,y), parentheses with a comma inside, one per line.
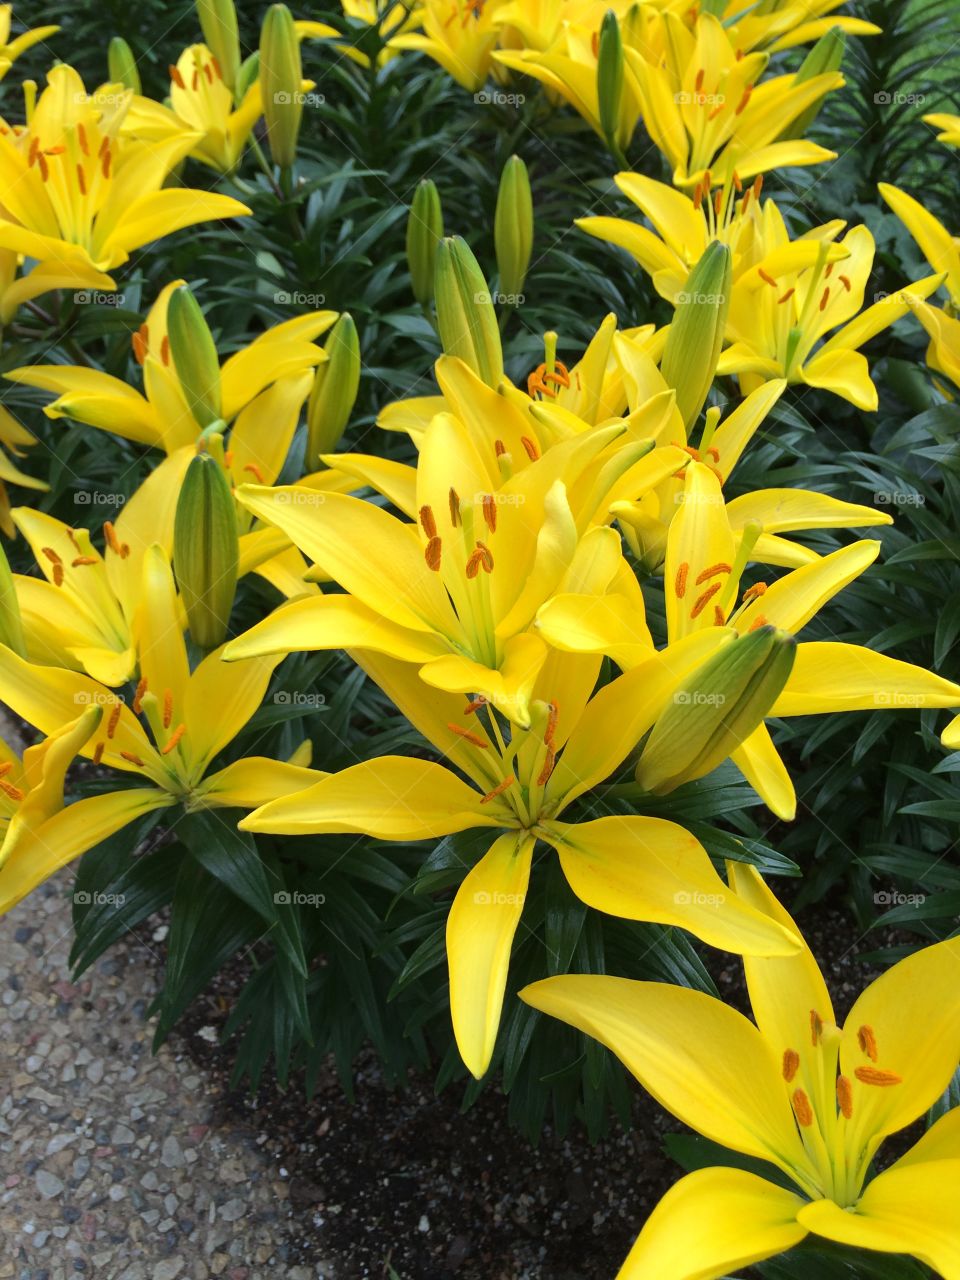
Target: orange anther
(533,452)
(486,557)
(719,617)
(134,759)
(44,167)
(475,705)
(195,82)
(742,104)
(816,1028)
(845,281)
(82,139)
(51,555)
(698,196)
(829,271)
(825,299)
(58,150)
(114,719)
(454,499)
(473,738)
(81,180)
(788,295)
(758,622)
(738,185)
(167,708)
(717,201)
(755,592)
(5,768)
(216,67)
(254,471)
(873,1075)
(58,575)
(543,777)
(78,561)
(98,752)
(9,789)
(698,83)
(845,1097)
(499,789)
(704,600)
(706,574)
(490,511)
(428,522)
(105,163)
(499,448)
(765,277)
(802,1108)
(141,689)
(716,111)
(104,147)
(165,350)
(176,77)
(867,1041)
(552,714)
(33,152)
(757,186)
(680,582)
(208,72)
(432,553)
(791,1064)
(174,739)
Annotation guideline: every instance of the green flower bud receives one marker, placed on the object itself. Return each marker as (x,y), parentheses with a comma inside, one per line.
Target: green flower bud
(610,79)
(122,65)
(716,709)
(11,624)
(513,226)
(206,549)
(281,75)
(465,315)
(194,355)
(825,56)
(218,21)
(424,230)
(334,389)
(248,74)
(696,333)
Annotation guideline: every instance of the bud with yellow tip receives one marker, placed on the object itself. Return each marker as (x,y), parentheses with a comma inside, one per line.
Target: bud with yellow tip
(513,227)
(716,709)
(11,624)
(280,82)
(696,333)
(194,355)
(465,314)
(334,392)
(610,81)
(206,550)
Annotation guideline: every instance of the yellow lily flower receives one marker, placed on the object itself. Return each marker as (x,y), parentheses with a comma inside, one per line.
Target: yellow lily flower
(460,35)
(16,438)
(454,593)
(778,24)
(43,277)
(950,126)
(797,1090)
(705,558)
(935,242)
(705,108)
(539,24)
(190,717)
(203,106)
(36,829)
(633,867)
(392,20)
(943,353)
(75,191)
(10,50)
(568,65)
(782,307)
(264,377)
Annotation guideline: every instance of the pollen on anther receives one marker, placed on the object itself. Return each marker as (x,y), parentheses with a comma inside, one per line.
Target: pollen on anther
(137,704)
(552,713)
(114,719)
(533,452)
(791,1063)
(543,777)
(802,1108)
(82,139)
(475,705)
(9,789)
(758,622)
(139,342)
(680,583)
(845,1097)
(454,499)
(165,350)
(702,601)
(432,553)
(44,167)
(706,574)
(719,617)
(174,739)
(867,1041)
(788,295)
(755,592)
(766,277)
(51,555)
(473,738)
(825,298)
(499,448)
(816,1028)
(133,759)
(81,180)
(98,752)
(176,77)
(254,471)
(428,522)
(875,1076)
(167,708)
(490,511)
(486,557)
(499,789)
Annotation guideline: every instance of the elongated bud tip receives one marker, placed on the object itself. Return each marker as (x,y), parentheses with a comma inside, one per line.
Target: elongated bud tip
(716,708)
(11,624)
(513,227)
(424,230)
(122,65)
(465,313)
(280,83)
(334,393)
(610,79)
(218,21)
(696,333)
(206,549)
(194,355)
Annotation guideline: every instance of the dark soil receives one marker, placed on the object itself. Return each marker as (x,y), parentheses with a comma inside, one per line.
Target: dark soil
(406,1185)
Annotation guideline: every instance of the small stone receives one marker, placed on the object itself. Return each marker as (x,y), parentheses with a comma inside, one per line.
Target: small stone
(48,1184)
(171,1153)
(122,1136)
(232,1210)
(424,1224)
(169,1269)
(95,1071)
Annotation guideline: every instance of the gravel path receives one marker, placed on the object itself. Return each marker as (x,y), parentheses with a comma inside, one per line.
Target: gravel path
(113,1165)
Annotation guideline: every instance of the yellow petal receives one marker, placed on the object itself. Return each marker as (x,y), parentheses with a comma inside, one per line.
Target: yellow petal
(220,698)
(160,213)
(650,869)
(480,928)
(700,1059)
(508,687)
(777,510)
(699,542)
(712,1223)
(792,600)
(829,676)
(759,762)
(392,797)
(255,781)
(262,433)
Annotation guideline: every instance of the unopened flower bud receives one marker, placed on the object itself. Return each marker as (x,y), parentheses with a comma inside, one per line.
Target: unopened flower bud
(206,549)
(218,21)
(825,56)
(122,65)
(194,355)
(513,227)
(280,83)
(465,314)
(334,391)
(696,333)
(11,624)
(610,80)
(424,231)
